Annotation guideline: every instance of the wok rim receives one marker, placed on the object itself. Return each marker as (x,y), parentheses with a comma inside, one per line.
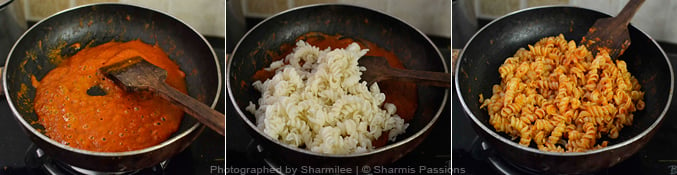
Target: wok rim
(153,148)
(398,143)
(513,144)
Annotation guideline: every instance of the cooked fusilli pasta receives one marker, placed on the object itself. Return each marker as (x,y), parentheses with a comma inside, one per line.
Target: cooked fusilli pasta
(317,102)
(562,98)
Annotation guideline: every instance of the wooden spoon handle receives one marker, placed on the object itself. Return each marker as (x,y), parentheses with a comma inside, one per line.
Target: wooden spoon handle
(438,79)
(628,11)
(203,113)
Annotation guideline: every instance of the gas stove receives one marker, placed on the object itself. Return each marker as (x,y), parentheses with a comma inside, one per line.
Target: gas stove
(18,155)
(470,155)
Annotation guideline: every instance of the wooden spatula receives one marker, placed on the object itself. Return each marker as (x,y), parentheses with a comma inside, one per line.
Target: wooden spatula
(612,33)
(136,74)
(378,69)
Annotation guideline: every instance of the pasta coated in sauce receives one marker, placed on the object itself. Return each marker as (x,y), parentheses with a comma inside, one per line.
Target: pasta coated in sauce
(560,97)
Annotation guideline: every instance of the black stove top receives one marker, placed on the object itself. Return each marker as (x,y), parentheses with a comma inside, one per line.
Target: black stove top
(204,156)
(656,157)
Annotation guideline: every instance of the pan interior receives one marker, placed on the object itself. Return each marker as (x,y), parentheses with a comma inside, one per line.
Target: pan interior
(49,41)
(263,44)
(481,58)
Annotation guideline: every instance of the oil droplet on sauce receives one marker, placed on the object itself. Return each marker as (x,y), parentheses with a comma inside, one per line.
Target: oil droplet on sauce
(71,116)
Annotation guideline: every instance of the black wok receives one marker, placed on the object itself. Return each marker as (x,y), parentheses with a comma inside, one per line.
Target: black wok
(91,25)
(477,71)
(411,46)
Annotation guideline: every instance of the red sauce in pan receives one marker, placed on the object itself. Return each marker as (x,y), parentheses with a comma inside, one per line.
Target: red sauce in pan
(402,94)
(117,121)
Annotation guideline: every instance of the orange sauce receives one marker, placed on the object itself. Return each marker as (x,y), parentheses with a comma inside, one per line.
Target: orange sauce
(117,121)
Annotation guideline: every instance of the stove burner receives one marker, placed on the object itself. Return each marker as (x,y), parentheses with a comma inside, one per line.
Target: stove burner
(256,151)
(483,150)
(36,158)
(503,166)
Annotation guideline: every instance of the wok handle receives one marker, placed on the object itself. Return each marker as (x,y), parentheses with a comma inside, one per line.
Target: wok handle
(203,113)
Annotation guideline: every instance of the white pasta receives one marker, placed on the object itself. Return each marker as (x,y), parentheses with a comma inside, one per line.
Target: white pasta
(317,102)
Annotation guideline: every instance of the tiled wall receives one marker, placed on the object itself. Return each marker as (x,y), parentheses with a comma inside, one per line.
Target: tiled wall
(430,16)
(656,17)
(206,16)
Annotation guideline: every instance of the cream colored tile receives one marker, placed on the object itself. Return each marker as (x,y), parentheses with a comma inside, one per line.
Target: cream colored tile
(442,23)
(669,34)
(380,5)
(83,2)
(160,5)
(431,16)
(308,2)
(653,17)
(534,3)
(40,9)
(611,7)
(496,8)
(20,8)
(264,8)
(206,16)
